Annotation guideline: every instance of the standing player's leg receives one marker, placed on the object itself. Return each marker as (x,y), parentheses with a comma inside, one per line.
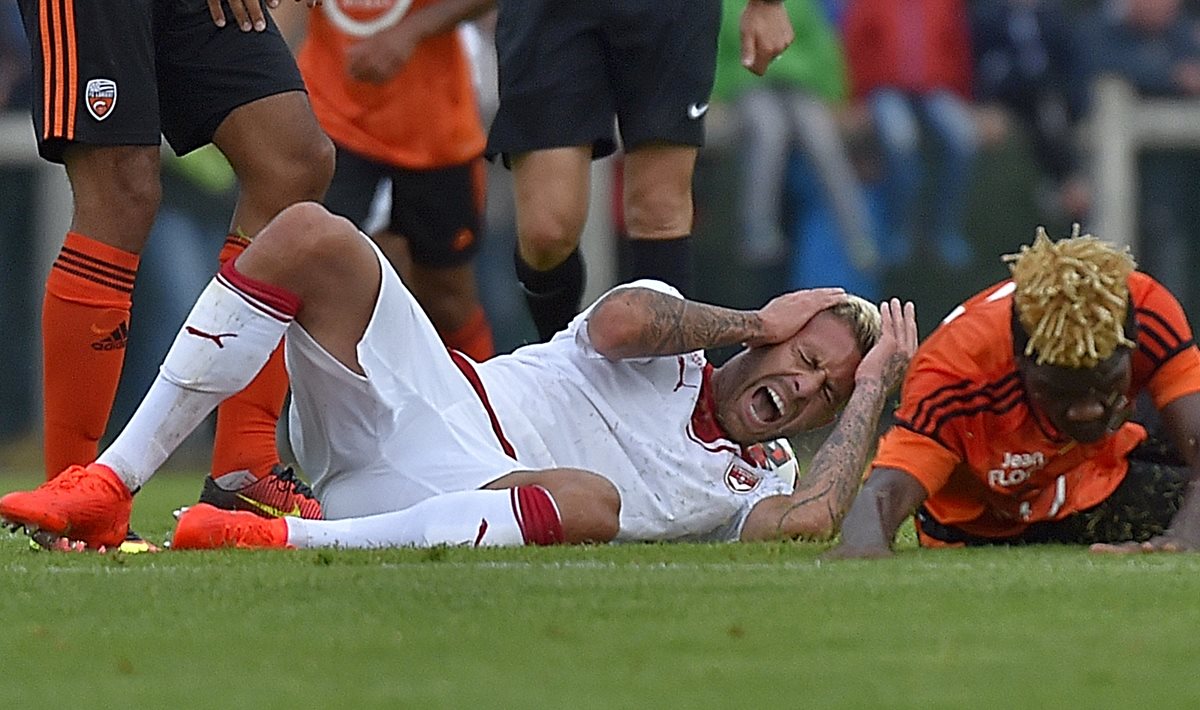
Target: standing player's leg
(95,109)
(85,312)
(551,188)
(658,212)
(553,119)
(663,60)
(247,98)
(293,165)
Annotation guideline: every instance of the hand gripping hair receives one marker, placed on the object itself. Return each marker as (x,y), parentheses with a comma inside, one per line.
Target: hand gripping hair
(1072,298)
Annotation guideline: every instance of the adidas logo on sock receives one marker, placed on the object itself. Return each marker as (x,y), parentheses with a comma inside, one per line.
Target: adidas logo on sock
(115,340)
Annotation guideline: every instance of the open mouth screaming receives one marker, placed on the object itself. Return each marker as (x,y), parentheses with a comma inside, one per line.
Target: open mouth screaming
(766,405)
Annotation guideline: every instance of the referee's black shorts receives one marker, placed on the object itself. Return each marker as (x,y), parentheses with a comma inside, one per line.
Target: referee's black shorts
(568,67)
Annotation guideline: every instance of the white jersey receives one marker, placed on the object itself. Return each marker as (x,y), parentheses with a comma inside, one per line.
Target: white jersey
(416,424)
(636,423)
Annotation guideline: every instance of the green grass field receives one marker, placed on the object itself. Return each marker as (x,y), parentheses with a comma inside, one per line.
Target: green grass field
(688,626)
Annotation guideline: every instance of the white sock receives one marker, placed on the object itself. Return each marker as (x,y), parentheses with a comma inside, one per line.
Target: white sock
(479,518)
(225,341)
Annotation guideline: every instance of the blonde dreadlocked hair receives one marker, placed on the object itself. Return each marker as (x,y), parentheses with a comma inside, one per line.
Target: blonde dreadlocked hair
(1072,297)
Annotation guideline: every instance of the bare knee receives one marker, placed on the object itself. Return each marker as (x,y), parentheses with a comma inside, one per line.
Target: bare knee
(300,169)
(660,210)
(551,189)
(547,234)
(658,191)
(302,246)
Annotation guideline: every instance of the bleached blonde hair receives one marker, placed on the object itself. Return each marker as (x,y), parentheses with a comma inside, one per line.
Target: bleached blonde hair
(1072,298)
(863,318)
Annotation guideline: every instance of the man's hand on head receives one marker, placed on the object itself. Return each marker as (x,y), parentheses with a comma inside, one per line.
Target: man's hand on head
(888,360)
(785,315)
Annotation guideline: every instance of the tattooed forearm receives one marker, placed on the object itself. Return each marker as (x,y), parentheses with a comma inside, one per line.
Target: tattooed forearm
(836,471)
(665,325)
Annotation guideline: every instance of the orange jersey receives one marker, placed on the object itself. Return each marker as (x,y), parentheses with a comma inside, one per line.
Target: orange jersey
(967,431)
(425,116)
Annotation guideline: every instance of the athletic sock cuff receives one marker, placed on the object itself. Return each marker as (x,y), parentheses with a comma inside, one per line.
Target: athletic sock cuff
(93,273)
(668,260)
(565,275)
(277,298)
(537,516)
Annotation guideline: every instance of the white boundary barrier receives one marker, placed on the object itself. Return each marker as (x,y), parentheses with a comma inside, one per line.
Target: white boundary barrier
(1121,125)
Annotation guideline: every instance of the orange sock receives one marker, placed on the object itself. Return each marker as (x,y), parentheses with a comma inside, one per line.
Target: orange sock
(85,324)
(474,338)
(245,439)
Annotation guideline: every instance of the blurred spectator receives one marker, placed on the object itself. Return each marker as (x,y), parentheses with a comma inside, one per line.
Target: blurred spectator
(786,114)
(1028,63)
(14,60)
(1155,46)
(910,61)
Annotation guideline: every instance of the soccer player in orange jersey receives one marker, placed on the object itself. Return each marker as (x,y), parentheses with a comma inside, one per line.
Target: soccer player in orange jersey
(391,84)
(1013,424)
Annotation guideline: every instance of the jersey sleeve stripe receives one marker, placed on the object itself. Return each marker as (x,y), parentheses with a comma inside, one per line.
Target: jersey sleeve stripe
(944,401)
(1154,322)
(944,391)
(998,402)
(931,434)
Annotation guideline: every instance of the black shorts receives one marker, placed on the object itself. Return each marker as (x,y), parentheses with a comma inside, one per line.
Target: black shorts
(1141,507)
(567,67)
(439,211)
(122,72)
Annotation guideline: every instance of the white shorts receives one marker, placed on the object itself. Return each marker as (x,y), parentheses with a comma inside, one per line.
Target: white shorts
(411,428)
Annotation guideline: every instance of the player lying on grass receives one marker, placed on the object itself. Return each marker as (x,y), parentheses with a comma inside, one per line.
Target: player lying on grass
(1012,425)
(616,429)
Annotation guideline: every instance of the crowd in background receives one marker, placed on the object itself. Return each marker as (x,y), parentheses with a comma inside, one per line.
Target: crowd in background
(888,151)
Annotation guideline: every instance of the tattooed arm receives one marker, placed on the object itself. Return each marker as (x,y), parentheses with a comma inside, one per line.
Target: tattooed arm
(641,322)
(821,498)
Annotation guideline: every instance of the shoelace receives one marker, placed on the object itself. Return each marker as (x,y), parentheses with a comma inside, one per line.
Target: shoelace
(69,479)
(288,481)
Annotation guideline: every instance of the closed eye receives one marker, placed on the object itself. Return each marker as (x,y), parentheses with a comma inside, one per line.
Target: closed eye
(827,392)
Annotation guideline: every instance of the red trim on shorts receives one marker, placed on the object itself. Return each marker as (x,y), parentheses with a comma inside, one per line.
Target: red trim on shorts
(276,298)
(468,370)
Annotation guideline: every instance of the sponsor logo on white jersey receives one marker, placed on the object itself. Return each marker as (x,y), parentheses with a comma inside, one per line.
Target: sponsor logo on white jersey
(100,95)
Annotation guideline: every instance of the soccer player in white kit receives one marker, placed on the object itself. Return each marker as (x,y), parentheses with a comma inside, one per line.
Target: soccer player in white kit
(616,429)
